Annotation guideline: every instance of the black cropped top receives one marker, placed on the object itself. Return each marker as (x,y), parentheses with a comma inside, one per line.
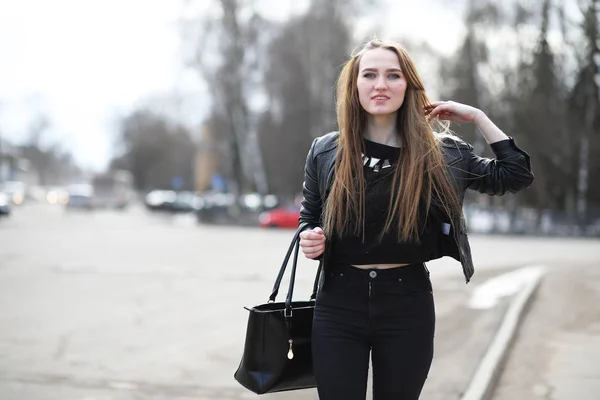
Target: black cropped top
(379,165)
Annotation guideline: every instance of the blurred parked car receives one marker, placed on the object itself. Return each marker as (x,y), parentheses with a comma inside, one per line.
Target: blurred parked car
(80,196)
(225,208)
(15,190)
(57,195)
(4,204)
(172,202)
(281,217)
(113,189)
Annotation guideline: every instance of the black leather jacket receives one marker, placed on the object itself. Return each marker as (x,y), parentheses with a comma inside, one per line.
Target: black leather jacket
(510,171)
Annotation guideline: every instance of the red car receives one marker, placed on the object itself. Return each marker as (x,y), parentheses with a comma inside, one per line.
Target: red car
(281,217)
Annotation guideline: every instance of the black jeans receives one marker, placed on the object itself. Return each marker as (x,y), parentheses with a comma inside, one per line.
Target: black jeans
(388,313)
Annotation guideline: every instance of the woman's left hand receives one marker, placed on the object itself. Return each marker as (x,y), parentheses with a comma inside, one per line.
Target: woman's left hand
(452,111)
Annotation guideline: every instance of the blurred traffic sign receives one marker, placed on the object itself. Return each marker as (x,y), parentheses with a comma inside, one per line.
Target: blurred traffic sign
(177,183)
(218,183)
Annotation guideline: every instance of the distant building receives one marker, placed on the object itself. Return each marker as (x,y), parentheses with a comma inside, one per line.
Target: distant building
(13,167)
(7,156)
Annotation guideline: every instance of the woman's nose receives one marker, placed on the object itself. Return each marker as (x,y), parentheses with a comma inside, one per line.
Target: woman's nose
(381,84)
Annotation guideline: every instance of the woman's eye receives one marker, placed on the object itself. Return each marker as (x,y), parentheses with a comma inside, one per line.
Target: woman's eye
(394,76)
(369,75)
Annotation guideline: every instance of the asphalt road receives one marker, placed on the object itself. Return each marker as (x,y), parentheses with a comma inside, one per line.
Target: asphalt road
(110,305)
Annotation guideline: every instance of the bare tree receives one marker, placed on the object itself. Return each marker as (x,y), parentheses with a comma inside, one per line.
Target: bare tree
(226,53)
(155,150)
(53,164)
(304,61)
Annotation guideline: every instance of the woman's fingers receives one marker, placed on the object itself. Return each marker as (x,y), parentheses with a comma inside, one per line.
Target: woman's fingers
(314,254)
(318,230)
(437,106)
(434,105)
(441,112)
(313,249)
(440,109)
(312,242)
(312,235)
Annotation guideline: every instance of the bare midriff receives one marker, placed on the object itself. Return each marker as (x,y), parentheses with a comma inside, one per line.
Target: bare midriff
(379,266)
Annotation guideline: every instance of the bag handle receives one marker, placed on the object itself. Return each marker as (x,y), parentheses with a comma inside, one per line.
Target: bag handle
(288,299)
(294,246)
(313,296)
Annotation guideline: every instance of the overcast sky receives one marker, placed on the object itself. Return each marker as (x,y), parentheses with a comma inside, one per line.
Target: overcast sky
(85,63)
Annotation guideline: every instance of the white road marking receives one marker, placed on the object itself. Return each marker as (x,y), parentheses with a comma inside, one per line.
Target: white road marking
(488,294)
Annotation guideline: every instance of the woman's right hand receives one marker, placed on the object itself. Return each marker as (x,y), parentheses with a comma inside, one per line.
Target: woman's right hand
(312,242)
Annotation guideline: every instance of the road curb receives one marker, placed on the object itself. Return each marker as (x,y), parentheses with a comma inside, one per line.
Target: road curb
(490,368)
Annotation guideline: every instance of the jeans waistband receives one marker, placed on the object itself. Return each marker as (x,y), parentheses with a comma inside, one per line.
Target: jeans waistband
(413,271)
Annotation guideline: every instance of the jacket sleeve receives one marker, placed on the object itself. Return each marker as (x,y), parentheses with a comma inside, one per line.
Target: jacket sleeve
(310,212)
(510,171)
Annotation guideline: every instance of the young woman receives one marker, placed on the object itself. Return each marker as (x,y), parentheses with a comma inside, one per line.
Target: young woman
(382,197)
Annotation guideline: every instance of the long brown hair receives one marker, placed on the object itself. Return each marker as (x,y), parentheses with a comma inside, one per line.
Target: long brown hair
(421,177)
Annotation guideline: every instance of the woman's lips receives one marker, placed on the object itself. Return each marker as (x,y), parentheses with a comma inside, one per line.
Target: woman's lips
(380,98)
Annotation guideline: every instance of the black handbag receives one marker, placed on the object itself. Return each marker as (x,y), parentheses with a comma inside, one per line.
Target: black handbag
(277,351)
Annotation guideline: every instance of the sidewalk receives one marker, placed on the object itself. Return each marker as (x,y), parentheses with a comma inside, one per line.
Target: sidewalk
(557,350)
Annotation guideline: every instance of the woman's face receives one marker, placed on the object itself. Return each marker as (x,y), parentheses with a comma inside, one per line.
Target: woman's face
(381,83)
